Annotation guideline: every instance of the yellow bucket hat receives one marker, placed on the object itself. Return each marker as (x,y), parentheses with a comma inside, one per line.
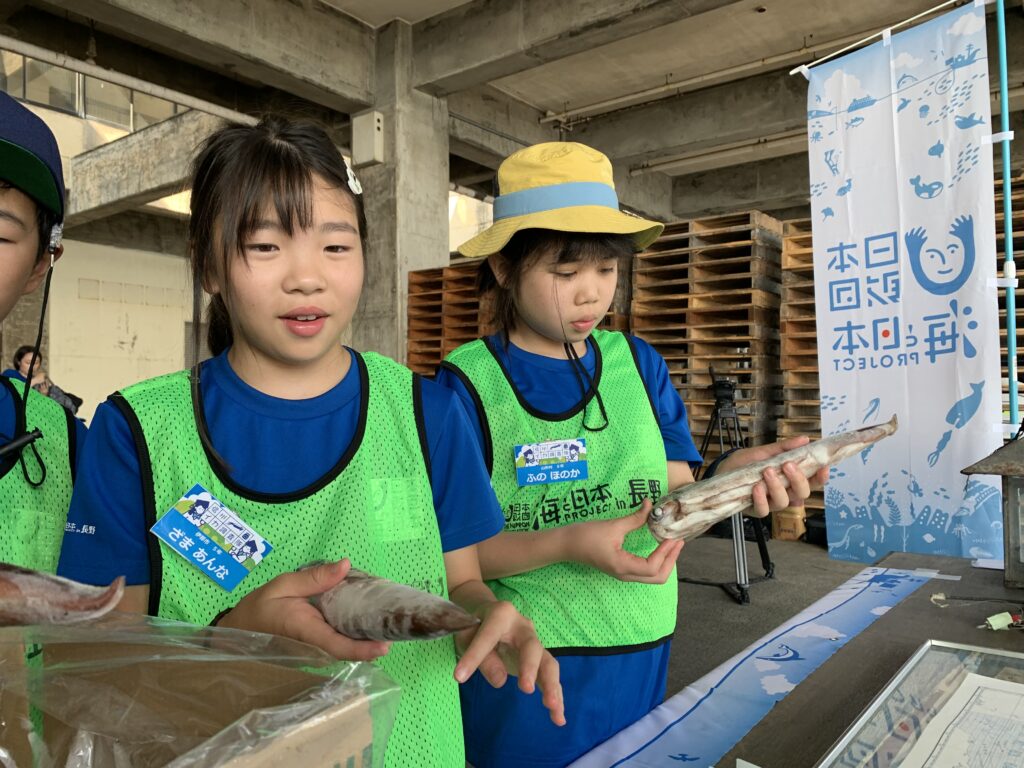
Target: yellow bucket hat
(557,185)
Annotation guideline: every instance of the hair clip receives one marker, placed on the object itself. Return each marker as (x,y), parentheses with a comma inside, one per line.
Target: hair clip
(353,182)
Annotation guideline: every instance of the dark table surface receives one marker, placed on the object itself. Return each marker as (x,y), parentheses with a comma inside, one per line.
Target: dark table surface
(803,727)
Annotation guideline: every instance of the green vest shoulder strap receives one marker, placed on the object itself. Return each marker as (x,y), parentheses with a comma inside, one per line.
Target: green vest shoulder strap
(577,608)
(35,515)
(374,507)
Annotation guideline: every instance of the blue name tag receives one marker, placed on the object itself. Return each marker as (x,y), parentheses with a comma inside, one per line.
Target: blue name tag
(557,461)
(212,538)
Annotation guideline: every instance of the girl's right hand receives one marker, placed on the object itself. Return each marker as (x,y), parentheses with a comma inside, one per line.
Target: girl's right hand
(599,543)
(282,607)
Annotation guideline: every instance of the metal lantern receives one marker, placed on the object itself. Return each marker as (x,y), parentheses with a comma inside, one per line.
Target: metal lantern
(1008,462)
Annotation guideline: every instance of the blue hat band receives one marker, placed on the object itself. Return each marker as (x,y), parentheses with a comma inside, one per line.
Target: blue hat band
(568,195)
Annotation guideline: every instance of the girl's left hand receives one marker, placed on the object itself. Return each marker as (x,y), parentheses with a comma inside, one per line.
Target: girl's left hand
(770,495)
(505,643)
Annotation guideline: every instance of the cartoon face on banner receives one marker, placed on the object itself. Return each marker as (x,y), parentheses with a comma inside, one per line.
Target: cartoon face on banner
(906,312)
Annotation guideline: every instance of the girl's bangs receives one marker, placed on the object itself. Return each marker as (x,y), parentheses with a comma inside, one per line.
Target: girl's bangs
(274,186)
(592,248)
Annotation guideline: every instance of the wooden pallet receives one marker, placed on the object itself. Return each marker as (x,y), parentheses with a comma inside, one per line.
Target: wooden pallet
(798,333)
(425,315)
(793,427)
(706,295)
(445,312)
(727,228)
(461,323)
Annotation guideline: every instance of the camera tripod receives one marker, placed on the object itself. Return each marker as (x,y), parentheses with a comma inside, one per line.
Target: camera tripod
(726,423)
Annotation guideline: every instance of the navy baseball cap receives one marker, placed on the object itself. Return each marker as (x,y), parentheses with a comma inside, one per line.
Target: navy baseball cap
(29,158)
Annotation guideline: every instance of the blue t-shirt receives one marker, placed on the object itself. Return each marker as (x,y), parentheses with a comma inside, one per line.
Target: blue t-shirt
(272,445)
(551,386)
(505,728)
(8,416)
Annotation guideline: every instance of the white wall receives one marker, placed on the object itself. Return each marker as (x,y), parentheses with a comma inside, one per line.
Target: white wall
(467,217)
(75,135)
(116,316)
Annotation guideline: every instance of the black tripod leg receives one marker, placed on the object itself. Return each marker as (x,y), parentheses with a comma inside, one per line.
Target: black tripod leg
(762,547)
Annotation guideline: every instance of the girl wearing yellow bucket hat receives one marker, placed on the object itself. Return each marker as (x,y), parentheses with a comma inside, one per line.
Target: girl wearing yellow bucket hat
(579,427)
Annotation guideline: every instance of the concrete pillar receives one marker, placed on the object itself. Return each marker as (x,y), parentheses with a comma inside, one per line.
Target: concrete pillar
(648,194)
(406,196)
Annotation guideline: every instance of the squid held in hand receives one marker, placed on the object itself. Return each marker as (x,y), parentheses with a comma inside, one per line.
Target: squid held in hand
(29,597)
(692,509)
(365,607)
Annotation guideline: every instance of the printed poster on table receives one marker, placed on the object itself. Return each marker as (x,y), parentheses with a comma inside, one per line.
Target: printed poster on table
(904,263)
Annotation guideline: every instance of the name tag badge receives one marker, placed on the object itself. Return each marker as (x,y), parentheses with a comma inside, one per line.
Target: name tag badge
(211,538)
(557,461)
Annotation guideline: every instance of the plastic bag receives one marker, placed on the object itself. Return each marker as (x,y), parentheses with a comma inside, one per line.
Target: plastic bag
(130,690)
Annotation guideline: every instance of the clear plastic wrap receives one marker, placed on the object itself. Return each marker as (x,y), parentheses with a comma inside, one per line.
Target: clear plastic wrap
(127,691)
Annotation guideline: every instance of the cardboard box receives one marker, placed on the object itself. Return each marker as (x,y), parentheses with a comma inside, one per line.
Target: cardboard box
(788,524)
(145,705)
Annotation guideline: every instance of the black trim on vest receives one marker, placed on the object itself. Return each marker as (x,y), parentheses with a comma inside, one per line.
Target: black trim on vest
(421,428)
(578,408)
(11,461)
(224,475)
(614,650)
(647,389)
(481,414)
(148,500)
(72,446)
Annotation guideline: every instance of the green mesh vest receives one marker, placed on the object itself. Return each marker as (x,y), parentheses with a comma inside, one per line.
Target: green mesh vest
(34,518)
(576,607)
(375,507)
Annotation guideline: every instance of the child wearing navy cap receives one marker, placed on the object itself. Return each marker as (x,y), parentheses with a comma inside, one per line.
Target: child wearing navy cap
(38,438)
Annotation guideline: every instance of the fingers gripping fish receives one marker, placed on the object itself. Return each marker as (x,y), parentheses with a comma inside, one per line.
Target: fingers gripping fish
(366,607)
(692,509)
(29,597)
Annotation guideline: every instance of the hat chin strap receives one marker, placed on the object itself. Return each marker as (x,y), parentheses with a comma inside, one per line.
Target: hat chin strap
(581,373)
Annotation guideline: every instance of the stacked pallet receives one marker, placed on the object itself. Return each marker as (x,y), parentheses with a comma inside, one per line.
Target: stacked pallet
(425,315)
(1017,202)
(801,396)
(461,306)
(706,295)
(444,311)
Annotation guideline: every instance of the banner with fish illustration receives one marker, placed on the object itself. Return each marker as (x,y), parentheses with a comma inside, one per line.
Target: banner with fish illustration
(904,263)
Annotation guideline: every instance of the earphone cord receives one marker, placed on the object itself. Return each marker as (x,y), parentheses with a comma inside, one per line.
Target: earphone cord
(581,373)
(28,386)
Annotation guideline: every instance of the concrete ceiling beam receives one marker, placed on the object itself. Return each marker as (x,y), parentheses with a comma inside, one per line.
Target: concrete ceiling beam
(782,182)
(135,170)
(760,117)
(9,7)
(489,39)
(770,104)
(486,126)
(316,54)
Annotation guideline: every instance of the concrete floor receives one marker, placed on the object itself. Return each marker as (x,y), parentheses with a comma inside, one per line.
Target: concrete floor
(712,627)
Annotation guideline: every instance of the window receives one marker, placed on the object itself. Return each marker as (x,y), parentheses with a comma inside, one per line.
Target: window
(12,74)
(108,102)
(50,86)
(150,109)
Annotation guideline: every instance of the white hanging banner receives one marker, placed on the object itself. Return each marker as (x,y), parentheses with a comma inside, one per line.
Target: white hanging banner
(907,317)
